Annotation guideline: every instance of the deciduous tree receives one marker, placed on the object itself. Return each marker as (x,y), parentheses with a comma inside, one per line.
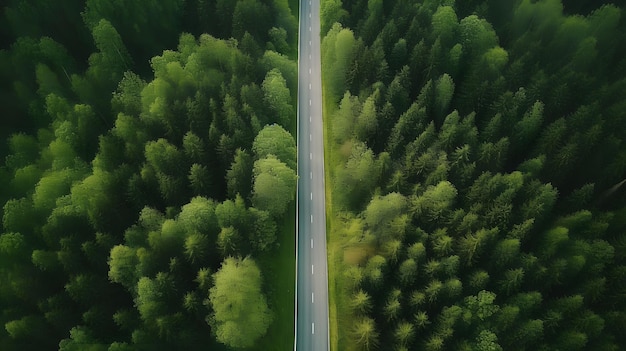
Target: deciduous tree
(240,312)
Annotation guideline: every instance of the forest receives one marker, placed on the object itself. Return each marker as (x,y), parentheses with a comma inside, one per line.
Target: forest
(477,159)
(148,174)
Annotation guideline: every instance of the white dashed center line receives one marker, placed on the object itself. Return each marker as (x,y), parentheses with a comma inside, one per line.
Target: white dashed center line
(311,243)
(312,297)
(312,270)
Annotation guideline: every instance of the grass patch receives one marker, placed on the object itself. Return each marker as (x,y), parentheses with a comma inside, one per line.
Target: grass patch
(279,269)
(339,324)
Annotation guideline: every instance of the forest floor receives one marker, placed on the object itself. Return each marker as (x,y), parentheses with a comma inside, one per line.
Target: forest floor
(280,268)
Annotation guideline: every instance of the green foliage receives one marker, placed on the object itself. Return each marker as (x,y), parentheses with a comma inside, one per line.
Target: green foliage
(445,23)
(232,213)
(274,139)
(197,247)
(199,215)
(365,334)
(239,175)
(277,96)
(357,177)
(122,263)
(263,234)
(337,47)
(274,185)
(116,166)
(240,313)
(488,122)
(331,11)
(343,122)
(434,202)
(381,213)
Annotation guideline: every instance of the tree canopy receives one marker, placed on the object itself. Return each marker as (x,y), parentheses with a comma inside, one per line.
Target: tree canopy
(474,201)
(240,310)
(130,135)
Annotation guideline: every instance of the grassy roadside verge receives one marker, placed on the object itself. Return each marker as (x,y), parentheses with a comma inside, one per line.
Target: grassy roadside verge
(330,244)
(279,267)
(337,303)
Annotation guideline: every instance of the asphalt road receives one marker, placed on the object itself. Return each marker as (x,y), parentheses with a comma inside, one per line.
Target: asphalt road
(312,280)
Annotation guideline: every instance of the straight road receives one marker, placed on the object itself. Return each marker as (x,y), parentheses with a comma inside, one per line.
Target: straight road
(312,280)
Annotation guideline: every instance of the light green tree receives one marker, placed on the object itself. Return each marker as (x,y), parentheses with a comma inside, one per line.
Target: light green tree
(274,139)
(365,333)
(344,119)
(277,96)
(435,201)
(123,266)
(199,216)
(361,302)
(367,121)
(404,333)
(240,312)
(382,210)
(274,185)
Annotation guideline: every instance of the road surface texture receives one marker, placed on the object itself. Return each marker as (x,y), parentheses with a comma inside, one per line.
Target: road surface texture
(312,280)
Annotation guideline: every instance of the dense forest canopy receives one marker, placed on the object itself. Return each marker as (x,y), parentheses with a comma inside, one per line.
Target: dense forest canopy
(477,163)
(147,171)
